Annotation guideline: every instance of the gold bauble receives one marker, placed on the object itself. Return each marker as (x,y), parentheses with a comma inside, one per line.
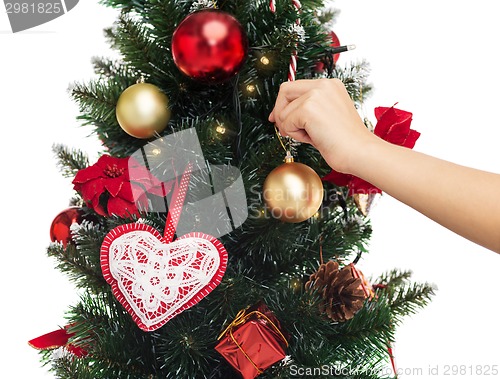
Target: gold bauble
(293,192)
(142,110)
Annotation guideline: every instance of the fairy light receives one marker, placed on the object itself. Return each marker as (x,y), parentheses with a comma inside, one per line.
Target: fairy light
(265,60)
(156,151)
(220,129)
(251,88)
(296,284)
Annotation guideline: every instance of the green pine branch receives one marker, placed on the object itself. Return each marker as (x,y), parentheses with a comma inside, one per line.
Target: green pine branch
(98,98)
(405,298)
(112,340)
(372,324)
(108,68)
(355,78)
(409,299)
(395,277)
(70,161)
(97,102)
(138,48)
(80,260)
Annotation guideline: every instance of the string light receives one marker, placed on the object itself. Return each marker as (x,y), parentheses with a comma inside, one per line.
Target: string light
(296,284)
(156,151)
(251,88)
(264,60)
(220,129)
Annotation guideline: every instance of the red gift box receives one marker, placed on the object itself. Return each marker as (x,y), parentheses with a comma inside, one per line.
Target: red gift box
(253,341)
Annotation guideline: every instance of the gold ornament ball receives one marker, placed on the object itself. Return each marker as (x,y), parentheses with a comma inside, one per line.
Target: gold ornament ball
(293,192)
(142,110)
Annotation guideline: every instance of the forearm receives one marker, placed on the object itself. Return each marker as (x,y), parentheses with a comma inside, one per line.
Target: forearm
(462,199)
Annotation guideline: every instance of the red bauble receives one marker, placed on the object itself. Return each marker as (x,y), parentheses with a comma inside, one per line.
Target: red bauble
(60,229)
(209,46)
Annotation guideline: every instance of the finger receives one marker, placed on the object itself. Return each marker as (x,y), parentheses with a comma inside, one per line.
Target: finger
(271,117)
(292,108)
(294,124)
(301,136)
(290,91)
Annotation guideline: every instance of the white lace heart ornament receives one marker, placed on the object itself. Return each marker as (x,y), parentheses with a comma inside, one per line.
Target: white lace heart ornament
(154,278)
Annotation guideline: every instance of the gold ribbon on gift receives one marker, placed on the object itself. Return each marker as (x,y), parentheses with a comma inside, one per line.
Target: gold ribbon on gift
(241,318)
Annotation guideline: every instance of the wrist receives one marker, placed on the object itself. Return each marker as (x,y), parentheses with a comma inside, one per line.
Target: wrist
(364,154)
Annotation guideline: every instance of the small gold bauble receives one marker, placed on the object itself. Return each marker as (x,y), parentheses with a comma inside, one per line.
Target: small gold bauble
(293,192)
(142,110)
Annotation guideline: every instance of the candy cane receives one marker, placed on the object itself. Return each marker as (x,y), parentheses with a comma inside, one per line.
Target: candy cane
(292,67)
(272,6)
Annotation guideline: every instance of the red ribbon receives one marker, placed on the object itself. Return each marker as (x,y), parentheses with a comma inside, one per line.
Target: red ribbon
(178,197)
(393,360)
(56,339)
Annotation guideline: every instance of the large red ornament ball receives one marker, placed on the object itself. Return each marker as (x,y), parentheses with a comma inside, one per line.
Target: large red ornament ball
(60,229)
(209,46)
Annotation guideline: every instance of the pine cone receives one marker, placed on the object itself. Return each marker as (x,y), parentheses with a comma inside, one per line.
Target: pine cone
(342,293)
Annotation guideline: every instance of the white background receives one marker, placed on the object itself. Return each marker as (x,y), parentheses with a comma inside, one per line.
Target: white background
(438,60)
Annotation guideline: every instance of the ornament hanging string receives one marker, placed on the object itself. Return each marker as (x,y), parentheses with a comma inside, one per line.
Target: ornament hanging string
(241,318)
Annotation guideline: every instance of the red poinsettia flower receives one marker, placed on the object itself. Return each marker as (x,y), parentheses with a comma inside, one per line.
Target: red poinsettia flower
(393,125)
(117,186)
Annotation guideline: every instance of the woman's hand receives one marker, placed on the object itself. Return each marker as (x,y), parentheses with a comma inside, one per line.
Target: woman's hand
(320,112)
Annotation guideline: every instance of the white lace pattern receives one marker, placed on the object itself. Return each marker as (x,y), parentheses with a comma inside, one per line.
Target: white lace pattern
(158,279)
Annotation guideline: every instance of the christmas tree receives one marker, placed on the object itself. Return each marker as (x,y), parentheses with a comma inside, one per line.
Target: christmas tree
(180,277)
